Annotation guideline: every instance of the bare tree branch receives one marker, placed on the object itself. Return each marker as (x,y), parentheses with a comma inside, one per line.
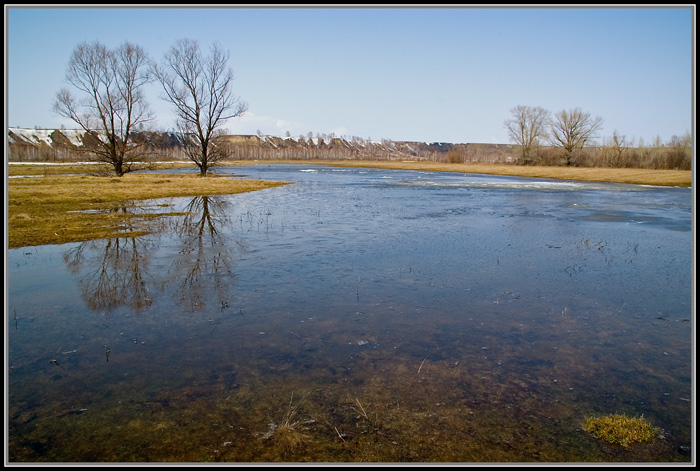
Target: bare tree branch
(113,103)
(200,90)
(574,129)
(527,128)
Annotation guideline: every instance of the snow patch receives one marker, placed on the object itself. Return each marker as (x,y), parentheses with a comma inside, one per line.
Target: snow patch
(37,136)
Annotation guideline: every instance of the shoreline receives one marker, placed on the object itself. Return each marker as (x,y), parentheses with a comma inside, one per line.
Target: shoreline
(635,176)
(671,178)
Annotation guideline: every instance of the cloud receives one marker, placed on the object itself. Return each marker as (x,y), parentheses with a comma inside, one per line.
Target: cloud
(340,131)
(251,123)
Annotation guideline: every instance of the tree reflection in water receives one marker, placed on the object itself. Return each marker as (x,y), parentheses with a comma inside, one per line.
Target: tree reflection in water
(115,272)
(205,261)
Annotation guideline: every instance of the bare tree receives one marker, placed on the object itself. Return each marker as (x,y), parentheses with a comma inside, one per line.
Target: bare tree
(680,152)
(200,90)
(113,105)
(527,127)
(613,152)
(574,129)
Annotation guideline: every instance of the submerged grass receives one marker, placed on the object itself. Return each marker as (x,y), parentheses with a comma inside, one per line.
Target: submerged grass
(397,416)
(288,435)
(620,430)
(73,208)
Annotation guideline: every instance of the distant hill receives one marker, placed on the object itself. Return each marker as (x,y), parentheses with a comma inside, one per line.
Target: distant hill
(25,144)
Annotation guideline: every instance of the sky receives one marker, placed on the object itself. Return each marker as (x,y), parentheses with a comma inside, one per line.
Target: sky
(426,74)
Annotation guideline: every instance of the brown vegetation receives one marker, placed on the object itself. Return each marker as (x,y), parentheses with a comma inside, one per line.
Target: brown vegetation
(73,208)
(613,153)
(637,176)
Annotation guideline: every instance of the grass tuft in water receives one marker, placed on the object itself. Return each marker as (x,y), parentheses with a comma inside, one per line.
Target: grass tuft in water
(621,430)
(288,435)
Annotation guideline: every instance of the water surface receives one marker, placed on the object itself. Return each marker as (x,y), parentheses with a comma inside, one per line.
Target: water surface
(361,315)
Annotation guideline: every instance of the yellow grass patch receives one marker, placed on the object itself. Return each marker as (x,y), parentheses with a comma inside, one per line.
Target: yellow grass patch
(620,430)
(63,168)
(61,209)
(612,175)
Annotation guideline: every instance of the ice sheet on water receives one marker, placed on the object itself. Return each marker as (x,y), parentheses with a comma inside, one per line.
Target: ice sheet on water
(518,184)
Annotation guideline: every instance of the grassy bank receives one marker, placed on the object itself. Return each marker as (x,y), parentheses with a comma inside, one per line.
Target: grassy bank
(66,168)
(635,176)
(73,208)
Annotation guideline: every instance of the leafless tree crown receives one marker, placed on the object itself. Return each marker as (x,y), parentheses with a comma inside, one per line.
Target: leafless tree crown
(200,90)
(112,104)
(574,129)
(527,127)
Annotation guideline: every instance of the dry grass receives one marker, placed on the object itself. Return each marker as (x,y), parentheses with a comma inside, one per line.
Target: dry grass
(614,175)
(288,435)
(64,168)
(62,209)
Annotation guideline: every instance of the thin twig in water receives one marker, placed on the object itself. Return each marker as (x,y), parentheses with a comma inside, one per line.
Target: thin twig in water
(364,413)
(421,364)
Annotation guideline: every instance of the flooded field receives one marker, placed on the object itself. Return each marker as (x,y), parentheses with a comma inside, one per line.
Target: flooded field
(361,316)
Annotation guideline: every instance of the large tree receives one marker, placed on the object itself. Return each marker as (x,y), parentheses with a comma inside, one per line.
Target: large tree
(572,130)
(113,104)
(527,127)
(200,89)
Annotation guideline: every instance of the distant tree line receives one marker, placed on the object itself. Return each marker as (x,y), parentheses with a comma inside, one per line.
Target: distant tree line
(168,146)
(615,151)
(569,138)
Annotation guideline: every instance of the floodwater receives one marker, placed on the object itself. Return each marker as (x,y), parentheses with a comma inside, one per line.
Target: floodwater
(361,315)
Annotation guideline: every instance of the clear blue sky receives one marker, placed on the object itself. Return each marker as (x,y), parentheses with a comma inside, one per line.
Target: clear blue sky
(416,74)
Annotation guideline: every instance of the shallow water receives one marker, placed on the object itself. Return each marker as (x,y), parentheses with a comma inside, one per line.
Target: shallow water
(361,315)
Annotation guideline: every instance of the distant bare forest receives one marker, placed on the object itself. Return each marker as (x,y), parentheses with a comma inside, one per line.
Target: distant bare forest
(30,145)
